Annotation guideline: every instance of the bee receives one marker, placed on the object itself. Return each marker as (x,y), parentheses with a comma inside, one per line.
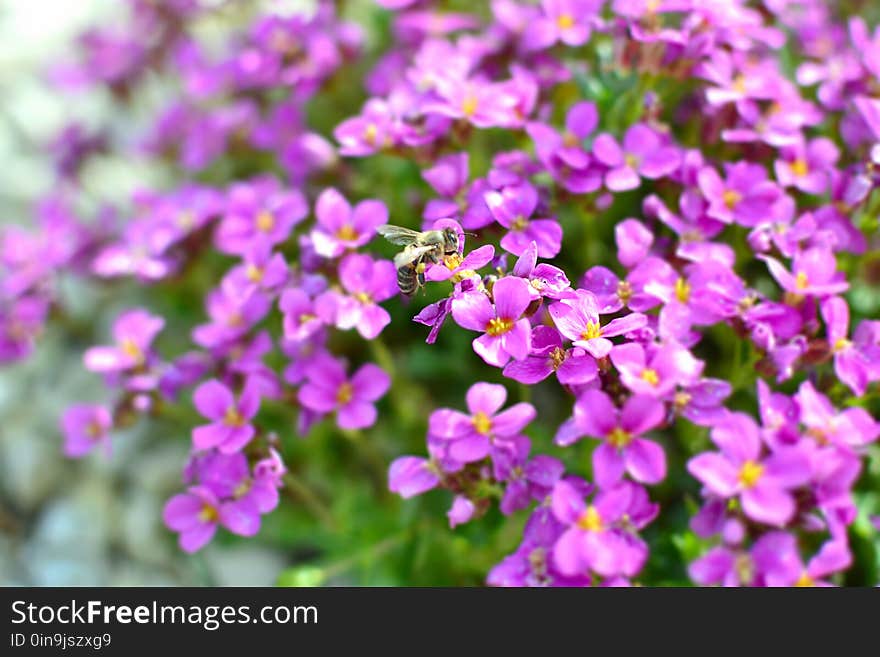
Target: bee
(419,249)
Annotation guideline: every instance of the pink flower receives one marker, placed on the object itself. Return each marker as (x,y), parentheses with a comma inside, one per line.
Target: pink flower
(762,483)
(506,333)
(230,429)
(328,388)
(622,450)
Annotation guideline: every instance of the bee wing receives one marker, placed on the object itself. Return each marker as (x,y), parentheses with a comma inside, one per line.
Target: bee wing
(398,234)
(410,254)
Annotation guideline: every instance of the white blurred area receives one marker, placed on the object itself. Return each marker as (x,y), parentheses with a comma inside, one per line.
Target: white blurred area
(33,34)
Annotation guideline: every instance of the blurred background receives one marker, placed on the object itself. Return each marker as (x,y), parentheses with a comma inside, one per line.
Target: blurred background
(93,521)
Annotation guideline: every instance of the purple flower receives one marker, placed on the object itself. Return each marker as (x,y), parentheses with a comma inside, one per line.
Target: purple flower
(409,476)
(668,366)
(434,315)
(547,355)
(702,402)
(644,154)
(373,130)
(634,241)
(746,197)
(230,428)
(622,450)
(366,282)
(568,21)
(233,313)
(850,430)
(513,207)
(505,334)
(85,426)
(564,156)
(814,273)
(577,318)
(301,320)
(261,269)
(762,483)
(456,267)
(256,212)
(327,388)
(196,514)
(449,178)
(527,479)
(807,166)
(544,280)
(776,556)
(341,227)
(133,333)
(591,541)
(470,435)
(461,511)
(481,103)
(854,361)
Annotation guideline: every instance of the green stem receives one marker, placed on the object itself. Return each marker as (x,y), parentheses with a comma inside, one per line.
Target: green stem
(374,458)
(310,500)
(371,552)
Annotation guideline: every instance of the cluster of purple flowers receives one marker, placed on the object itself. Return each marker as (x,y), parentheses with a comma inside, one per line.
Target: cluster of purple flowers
(235,469)
(747,160)
(626,346)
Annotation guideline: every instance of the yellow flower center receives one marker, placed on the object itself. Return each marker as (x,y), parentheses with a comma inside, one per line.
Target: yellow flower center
(739,83)
(132,350)
(233,418)
(370,134)
(345,393)
(593,330)
(499,326)
(186,220)
(265,221)
(745,569)
(590,520)
(624,291)
(650,376)
(632,161)
(482,423)
(519,223)
(94,430)
(347,233)
(306,317)
(452,261)
(619,438)
(841,344)
(363,297)
(242,489)
(818,434)
(565,21)
(731,198)
(557,356)
(801,281)
(209,514)
(254,274)
(469,105)
(682,399)
(805,580)
(235,320)
(800,168)
(750,473)
(682,290)
(570,140)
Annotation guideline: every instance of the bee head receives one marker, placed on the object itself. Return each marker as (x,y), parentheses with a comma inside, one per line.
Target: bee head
(450,236)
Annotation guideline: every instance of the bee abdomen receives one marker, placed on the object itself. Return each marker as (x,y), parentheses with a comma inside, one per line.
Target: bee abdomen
(407,280)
